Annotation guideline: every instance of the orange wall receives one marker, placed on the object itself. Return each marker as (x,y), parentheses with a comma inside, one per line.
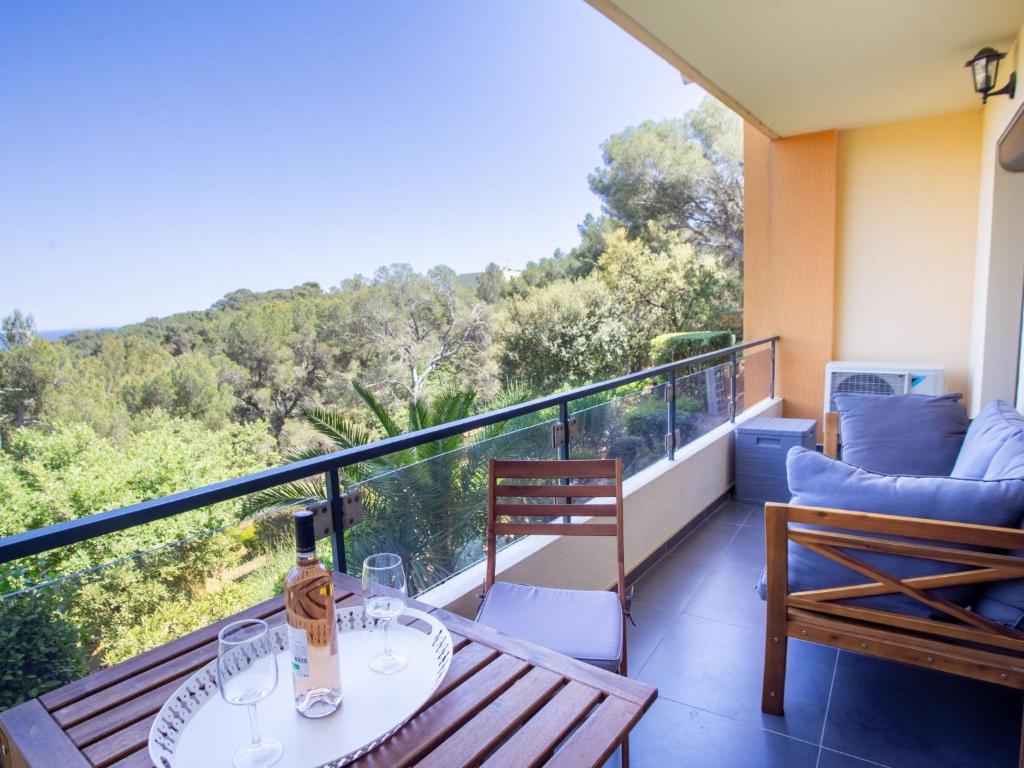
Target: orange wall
(789,258)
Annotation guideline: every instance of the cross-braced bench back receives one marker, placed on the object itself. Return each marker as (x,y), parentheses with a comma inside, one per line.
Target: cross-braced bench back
(532,489)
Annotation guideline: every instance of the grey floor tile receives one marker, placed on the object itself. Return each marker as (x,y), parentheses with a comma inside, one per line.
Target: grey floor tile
(718,667)
(733,512)
(651,625)
(907,717)
(728,594)
(672,734)
(830,759)
(707,543)
(747,548)
(756,517)
(670,584)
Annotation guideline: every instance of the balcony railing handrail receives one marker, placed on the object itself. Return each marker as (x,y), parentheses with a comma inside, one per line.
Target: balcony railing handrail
(44,539)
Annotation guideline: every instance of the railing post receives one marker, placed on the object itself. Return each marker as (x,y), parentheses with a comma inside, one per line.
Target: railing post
(771,374)
(671,400)
(563,449)
(732,386)
(563,415)
(334,501)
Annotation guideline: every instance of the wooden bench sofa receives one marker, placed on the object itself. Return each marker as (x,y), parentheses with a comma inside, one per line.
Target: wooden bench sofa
(961,643)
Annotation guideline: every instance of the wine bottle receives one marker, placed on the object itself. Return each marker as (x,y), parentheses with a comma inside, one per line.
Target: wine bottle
(312,635)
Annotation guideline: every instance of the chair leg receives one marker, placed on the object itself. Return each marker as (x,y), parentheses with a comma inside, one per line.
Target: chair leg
(774,687)
(625,751)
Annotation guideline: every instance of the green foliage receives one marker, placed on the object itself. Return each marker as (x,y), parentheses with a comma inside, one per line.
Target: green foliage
(39,648)
(683,175)
(659,284)
(564,334)
(491,284)
(669,347)
(281,359)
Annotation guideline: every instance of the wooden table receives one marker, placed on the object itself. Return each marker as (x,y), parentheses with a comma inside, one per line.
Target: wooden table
(504,702)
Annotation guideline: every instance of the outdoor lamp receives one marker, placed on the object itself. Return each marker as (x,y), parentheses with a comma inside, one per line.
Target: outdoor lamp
(984,70)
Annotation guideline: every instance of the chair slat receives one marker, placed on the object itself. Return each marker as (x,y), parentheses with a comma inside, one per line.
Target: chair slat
(555,510)
(553,529)
(545,470)
(598,490)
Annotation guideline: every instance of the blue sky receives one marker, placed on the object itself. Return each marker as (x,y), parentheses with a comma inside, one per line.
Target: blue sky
(157,155)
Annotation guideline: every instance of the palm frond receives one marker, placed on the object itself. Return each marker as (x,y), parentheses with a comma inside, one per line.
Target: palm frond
(340,430)
(377,408)
(289,495)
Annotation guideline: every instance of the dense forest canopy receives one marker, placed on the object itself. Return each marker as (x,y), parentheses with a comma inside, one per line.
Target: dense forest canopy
(102,419)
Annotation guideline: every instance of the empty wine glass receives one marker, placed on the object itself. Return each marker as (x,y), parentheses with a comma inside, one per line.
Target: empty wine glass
(384,595)
(247,674)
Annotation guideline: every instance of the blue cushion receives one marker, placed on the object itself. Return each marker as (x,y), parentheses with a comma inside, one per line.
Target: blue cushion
(818,481)
(997,424)
(902,434)
(583,624)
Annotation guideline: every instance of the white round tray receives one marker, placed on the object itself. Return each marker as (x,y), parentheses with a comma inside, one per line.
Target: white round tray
(196,727)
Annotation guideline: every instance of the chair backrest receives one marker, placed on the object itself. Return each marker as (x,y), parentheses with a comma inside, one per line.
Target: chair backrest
(535,489)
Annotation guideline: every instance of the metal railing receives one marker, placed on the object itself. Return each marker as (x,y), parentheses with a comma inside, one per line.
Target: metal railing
(51,537)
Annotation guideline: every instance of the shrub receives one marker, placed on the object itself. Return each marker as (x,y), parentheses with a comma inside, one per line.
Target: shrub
(669,347)
(39,649)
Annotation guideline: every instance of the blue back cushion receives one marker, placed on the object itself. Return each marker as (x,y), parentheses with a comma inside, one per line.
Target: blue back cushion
(817,481)
(998,425)
(902,434)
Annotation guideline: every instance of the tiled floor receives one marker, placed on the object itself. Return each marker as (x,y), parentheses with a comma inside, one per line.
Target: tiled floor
(699,638)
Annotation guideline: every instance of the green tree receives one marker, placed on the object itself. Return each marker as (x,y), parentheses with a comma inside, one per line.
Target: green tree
(29,372)
(564,334)
(490,284)
(659,285)
(17,330)
(415,330)
(281,359)
(683,174)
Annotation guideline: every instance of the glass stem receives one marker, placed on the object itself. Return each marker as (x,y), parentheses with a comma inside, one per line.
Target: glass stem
(252,724)
(387,638)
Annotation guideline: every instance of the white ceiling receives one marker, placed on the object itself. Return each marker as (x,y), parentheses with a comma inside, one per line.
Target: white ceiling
(798,66)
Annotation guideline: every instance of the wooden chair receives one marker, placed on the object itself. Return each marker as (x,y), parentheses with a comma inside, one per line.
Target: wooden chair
(586,624)
(961,643)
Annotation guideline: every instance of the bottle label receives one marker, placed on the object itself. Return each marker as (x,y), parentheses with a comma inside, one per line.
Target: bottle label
(299,650)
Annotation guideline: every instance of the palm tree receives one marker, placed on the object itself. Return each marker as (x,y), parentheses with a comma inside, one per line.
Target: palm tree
(424,503)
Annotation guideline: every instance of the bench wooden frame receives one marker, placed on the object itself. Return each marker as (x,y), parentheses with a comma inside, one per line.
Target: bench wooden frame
(963,643)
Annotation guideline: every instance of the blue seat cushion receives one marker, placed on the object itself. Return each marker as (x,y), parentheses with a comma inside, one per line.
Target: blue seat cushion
(902,434)
(818,481)
(583,624)
(997,427)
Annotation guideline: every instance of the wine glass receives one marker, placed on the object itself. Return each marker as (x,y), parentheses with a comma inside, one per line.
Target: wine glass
(384,595)
(247,674)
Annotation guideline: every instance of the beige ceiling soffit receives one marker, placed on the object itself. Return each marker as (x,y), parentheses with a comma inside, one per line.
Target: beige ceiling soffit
(691,73)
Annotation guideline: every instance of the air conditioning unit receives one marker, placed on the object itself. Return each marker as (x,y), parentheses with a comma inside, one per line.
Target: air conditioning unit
(881,379)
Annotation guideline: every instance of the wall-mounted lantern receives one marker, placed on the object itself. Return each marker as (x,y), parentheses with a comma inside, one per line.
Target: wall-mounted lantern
(984,70)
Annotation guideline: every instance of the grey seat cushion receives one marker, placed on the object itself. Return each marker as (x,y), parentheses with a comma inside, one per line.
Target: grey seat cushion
(583,624)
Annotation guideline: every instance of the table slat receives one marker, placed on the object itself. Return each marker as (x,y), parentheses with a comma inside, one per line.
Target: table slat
(427,729)
(496,721)
(533,742)
(590,744)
